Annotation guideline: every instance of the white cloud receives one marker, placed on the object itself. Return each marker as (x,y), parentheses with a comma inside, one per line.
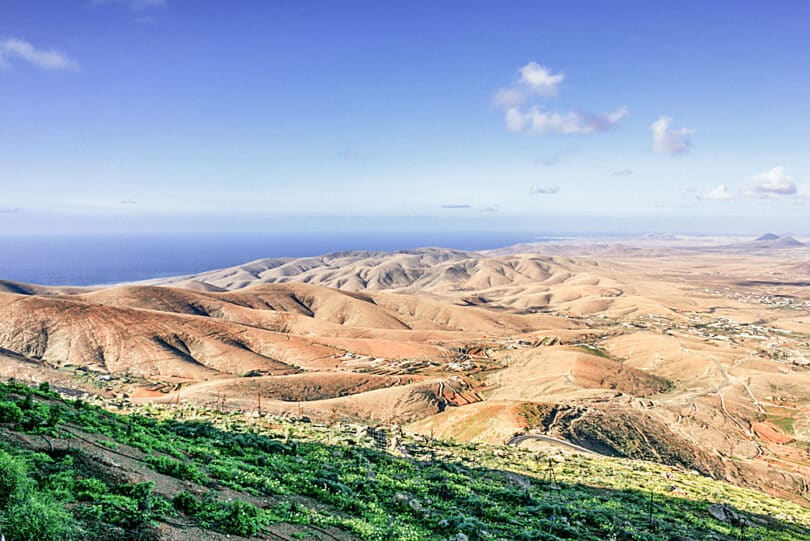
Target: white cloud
(539,79)
(537,121)
(720,193)
(617,115)
(550,189)
(668,140)
(515,120)
(13,48)
(534,83)
(533,79)
(773,183)
(509,97)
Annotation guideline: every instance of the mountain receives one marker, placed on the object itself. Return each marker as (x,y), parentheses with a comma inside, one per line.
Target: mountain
(769,241)
(775,241)
(789,242)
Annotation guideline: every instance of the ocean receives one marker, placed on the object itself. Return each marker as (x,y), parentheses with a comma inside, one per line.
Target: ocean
(87,259)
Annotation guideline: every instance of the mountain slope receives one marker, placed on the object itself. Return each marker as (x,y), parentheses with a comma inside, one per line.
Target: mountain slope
(86,473)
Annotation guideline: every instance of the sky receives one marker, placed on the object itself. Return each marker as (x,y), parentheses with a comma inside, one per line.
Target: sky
(551,117)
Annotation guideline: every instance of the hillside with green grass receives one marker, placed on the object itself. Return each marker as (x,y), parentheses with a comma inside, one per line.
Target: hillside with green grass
(70,470)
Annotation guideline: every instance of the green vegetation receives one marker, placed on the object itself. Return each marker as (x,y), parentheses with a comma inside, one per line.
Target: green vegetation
(595,350)
(27,512)
(244,477)
(536,415)
(785,423)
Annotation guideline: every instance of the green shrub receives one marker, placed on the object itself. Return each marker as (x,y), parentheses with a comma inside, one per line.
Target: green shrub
(14,481)
(175,468)
(39,519)
(231,517)
(239,518)
(28,401)
(26,515)
(61,484)
(143,496)
(187,503)
(37,415)
(55,415)
(10,412)
(89,490)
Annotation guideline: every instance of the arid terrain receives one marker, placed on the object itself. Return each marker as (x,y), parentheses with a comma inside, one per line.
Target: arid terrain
(689,352)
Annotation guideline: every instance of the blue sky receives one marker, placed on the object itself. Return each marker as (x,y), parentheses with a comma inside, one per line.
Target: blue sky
(150,115)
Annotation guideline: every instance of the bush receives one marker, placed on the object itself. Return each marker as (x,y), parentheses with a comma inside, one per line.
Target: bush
(14,481)
(230,517)
(26,515)
(239,518)
(186,503)
(10,412)
(89,490)
(38,519)
(175,468)
(37,415)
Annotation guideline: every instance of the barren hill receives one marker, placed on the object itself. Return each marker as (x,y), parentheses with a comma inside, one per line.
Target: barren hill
(430,269)
(694,357)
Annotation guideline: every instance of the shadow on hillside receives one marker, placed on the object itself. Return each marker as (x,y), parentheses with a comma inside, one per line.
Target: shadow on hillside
(367,492)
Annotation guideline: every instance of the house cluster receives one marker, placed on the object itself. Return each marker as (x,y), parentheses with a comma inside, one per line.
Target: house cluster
(773,301)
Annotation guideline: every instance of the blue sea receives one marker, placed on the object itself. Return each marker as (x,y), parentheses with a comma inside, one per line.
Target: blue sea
(113,258)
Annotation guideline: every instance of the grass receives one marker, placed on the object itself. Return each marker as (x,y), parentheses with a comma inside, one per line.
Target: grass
(595,350)
(333,477)
(785,423)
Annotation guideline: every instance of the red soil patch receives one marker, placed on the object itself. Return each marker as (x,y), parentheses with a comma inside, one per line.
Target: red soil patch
(142,392)
(770,432)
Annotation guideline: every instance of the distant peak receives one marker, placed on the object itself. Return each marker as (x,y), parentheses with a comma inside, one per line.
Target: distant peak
(768,236)
(790,241)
